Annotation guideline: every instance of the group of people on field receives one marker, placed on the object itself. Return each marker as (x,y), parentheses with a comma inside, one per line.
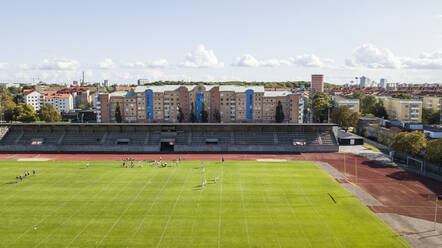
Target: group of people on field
(25,174)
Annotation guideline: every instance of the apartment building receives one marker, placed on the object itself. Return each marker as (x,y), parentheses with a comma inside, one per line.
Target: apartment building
(61,102)
(232,103)
(33,98)
(431,102)
(317,83)
(405,110)
(353,104)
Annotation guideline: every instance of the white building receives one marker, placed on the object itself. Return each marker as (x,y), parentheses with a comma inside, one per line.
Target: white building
(33,98)
(61,102)
(143,81)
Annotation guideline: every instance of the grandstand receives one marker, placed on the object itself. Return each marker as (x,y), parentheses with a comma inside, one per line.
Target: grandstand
(179,138)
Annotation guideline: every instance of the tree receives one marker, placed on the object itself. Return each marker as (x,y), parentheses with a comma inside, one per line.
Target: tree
(430,116)
(204,114)
(344,117)
(24,113)
(321,105)
(49,114)
(387,136)
(279,115)
(359,94)
(404,95)
(217,116)
(82,106)
(118,116)
(192,114)
(433,153)
(7,107)
(379,110)
(410,143)
(368,105)
(180,116)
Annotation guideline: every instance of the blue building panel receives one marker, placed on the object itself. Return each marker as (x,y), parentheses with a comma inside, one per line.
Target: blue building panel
(249,104)
(149,105)
(199,105)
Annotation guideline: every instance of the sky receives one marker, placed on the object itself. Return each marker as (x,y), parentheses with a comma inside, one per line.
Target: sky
(122,41)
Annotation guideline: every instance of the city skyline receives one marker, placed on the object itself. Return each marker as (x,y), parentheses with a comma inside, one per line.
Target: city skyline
(200,41)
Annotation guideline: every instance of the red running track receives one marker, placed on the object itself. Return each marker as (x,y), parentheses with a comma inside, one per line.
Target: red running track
(399,191)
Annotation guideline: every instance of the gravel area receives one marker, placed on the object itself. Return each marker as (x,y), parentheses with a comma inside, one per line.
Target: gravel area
(362,151)
(330,170)
(419,233)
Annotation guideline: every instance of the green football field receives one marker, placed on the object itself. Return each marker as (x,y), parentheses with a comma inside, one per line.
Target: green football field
(253,204)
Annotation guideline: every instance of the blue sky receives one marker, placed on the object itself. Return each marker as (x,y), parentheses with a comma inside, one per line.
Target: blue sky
(220,40)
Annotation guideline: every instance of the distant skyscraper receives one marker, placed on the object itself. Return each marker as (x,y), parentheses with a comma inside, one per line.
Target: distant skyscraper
(383,83)
(106,83)
(364,82)
(317,83)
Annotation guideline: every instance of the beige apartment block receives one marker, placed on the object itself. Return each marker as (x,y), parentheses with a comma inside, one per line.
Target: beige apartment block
(405,110)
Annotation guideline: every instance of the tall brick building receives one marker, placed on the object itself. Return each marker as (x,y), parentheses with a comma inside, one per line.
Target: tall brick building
(233,103)
(317,83)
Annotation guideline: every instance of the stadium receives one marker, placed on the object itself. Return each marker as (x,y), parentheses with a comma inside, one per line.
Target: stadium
(180,138)
(201,185)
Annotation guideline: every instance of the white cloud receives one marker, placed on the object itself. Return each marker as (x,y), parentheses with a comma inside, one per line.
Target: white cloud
(311,60)
(4,66)
(247,60)
(306,60)
(370,56)
(161,63)
(59,64)
(24,66)
(201,58)
(106,64)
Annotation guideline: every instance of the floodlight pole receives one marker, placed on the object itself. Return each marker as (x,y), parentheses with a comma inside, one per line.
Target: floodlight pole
(344,165)
(435,213)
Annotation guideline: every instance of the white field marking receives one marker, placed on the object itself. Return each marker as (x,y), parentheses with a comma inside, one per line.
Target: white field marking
(271,218)
(90,221)
(78,210)
(196,217)
(150,208)
(61,205)
(33,159)
(220,206)
(295,215)
(243,206)
(15,192)
(271,160)
(318,214)
(125,210)
(172,212)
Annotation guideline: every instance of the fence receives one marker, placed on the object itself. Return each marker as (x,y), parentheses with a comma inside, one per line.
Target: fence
(418,165)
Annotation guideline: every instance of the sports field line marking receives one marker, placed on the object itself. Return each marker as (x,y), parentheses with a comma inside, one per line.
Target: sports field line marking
(37,195)
(271,218)
(125,210)
(150,208)
(243,205)
(295,215)
(317,212)
(197,215)
(61,204)
(172,211)
(95,216)
(78,210)
(220,206)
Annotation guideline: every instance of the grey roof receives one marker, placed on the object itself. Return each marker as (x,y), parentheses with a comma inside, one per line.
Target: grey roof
(277,93)
(163,88)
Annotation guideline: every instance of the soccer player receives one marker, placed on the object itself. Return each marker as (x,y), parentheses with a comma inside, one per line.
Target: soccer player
(21,178)
(87,165)
(33,171)
(222,159)
(16,179)
(202,164)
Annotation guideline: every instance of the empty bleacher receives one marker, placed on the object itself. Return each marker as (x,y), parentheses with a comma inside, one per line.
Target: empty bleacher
(253,138)
(11,136)
(82,137)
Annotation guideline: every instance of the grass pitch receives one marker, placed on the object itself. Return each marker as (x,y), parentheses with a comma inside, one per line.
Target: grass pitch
(253,204)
